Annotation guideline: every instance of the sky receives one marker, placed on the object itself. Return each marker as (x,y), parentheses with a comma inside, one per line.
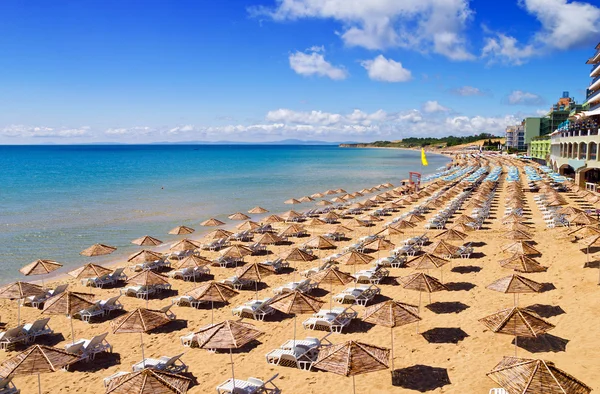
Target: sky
(141,71)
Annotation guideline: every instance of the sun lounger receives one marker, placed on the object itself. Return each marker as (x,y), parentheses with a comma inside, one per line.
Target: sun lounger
(304,286)
(256,309)
(115,375)
(36,301)
(224,262)
(314,270)
(87,349)
(112,304)
(498,391)
(189,340)
(37,329)
(333,320)
(359,295)
(143,292)
(250,386)
(165,363)
(277,264)
(167,311)
(301,357)
(8,387)
(12,336)
(391,261)
(88,314)
(237,283)
(373,275)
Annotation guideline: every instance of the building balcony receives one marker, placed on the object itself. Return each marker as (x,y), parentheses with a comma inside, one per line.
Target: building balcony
(595,83)
(595,70)
(593,97)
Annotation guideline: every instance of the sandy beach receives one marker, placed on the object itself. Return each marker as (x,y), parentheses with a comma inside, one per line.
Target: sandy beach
(452,352)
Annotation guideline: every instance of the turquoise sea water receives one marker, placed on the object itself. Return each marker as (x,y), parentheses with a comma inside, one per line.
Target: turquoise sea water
(57,200)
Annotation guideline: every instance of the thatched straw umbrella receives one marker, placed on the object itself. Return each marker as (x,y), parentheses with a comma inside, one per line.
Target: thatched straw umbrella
(316,222)
(464,219)
(331,217)
(319,242)
(332,276)
(217,234)
(140,320)
(148,278)
(516,285)
(149,380)
(213,292)
(428,261)
(513,218)
(452,235)
(521,247)
(236,251)
(144,256)
(390,232)
(392,314)
(422,283)
(569,211)
(522,263)
(269,239)
(378,245)
(272,219)
(306,199)
(90,271)
(520,375)
(519,227)
(193,261)
(68,303)
(255,272)
(295,303)
(338,200)
(516,235)
(585,232)
(297,255)
(340,191)
(317,195)
(18,291)
(212,222)
(36,360)
(227,335)
(329,192)
(289,215)
(352,358)
(238,216)
(403,225)
(292,201)
(323,203)
(582,219)
(518,322)
(442,248)
(353,258)
(257,210)
(98,250)
(414,218)
(147,240)
(40,267)
(248,225)
(181,230)
(184,245)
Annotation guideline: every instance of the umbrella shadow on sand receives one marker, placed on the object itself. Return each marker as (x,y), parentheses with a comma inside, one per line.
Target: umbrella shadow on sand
(441,308)
(445,335)
(459,286)
(420,378)
(102,361)
(546,310)
(544,343)
(466,269)
(172,326)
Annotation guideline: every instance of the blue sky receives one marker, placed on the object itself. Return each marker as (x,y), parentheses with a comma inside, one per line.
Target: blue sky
(336,70)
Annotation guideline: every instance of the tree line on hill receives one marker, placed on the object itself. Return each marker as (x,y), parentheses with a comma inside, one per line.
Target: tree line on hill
(412,142)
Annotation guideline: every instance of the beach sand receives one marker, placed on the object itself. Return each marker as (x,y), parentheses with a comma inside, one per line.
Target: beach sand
(451,341)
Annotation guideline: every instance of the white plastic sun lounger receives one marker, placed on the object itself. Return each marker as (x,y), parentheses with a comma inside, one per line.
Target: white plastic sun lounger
(37,329)
(250,386)
(8,387)
(165,363)
(11,337)
(256,309)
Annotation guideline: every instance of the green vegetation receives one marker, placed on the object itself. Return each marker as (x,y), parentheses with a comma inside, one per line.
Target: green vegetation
(413,142)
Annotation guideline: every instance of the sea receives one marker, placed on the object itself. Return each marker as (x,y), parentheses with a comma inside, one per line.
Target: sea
(57,200)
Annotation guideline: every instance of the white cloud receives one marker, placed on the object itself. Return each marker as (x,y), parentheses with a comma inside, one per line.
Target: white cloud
(43,131)
(423,25)
(468,91)
(386,70)
(433,107)
(507,50)
(136,130)
(519,97)
(565,24)
(313,63)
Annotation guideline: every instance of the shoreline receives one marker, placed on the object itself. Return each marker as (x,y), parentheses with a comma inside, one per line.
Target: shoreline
(399,148)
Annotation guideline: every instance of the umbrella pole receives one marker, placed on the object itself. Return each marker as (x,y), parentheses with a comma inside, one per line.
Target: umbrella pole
(353,385)
(256,289)
(142,344)
(72,331)
(294,342)
(212,312)
(39,384)
(232,371)
(18,312)
(330,295)
(392,348)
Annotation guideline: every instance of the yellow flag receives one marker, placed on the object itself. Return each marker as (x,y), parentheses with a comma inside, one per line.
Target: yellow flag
(423,158)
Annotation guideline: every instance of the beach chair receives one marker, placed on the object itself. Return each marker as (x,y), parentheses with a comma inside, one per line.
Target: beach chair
(257,309)
(184,300)
(88,314)
(167,311)
(333,320)
(224,262)
(237,283)
(290,287)
(37,329)
(278,264)
(165,363)
(498,391)
(300,357)
(37,301)
(373,275)
(143,292)
(8,387)
(112,304)
(311,271)
(250,386)
(115,375)
(11,337)
(184,274)
(87,349)
(359,295)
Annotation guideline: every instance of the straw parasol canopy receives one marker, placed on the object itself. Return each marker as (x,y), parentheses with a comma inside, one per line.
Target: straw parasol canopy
(254,271)
(238,216)
(521,247)
(427,261)
(390,232)
(329,192)
(379,244)
(297,255)
(317,195)
(306,199)
(341,229)
(296,303)
(212,222)
(442,248)
(331,216)
(248,225)
(513,218)
(213,292)
(520,375)
(522,263)
(315,222)
(36,360)
(422,283)
(332,276)
(392,314)
(269,239)
(97,250)
(144,255)
(519,227)
(337,199)
(414,218)
(583,219)
(323,203)
(68,303)
(192,261)
(516,235)
(452,235)
(148,278)
(272,219)
(319,242)
(236,252)
(585,231)
(149,380)
(403,224)
(515,284)
(40,267)
(90,271)
(257,210)
(570,211)
(227,335)
(359,223)
(352,358)
(218,234)
(464,219)
(353,257)
(291,215)
(19,290)
(139,320)
(292,201)
(184,245)
(147,240)
(181,230)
